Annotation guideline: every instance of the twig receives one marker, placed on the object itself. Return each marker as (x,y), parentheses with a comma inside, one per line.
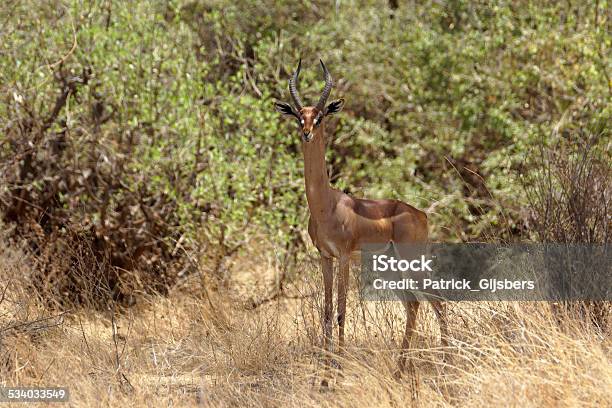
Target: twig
(47,369)
(65,57)
(4,291)
(278,294)
(24,326)
(85,339)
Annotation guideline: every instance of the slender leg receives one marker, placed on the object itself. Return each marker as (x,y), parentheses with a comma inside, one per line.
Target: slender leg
(411,314)
(327,267)
(440,309)
(342,288)
(404,235)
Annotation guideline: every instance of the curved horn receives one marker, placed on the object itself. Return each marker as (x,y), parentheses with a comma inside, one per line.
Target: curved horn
(329,83)
(293,87)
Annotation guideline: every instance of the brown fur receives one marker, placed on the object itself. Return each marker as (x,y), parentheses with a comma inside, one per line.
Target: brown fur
(339,224)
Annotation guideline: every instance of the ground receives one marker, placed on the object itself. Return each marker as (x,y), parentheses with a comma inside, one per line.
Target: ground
(213,349)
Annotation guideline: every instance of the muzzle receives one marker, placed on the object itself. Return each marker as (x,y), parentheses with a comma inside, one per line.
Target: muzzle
(307,136)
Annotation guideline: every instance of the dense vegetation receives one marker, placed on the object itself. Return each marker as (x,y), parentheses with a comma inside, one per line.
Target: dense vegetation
(141,159)
(142,134)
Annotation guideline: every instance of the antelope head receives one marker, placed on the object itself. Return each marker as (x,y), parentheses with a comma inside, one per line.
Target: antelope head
(309,117)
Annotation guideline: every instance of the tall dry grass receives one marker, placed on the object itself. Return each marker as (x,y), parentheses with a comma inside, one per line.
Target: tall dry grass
(212,349)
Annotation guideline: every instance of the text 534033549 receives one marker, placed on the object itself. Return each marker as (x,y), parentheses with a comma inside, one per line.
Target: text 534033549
(34,394)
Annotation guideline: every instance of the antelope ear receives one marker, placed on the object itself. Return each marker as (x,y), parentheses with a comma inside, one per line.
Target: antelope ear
(334,107)
(285,109)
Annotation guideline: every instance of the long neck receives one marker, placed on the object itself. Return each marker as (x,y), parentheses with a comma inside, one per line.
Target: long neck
(318,190)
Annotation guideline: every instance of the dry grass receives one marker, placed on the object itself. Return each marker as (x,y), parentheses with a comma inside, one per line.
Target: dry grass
(180,350)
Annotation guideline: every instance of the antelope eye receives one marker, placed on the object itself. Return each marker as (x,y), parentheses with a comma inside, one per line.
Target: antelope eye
(317,120)
(302,121)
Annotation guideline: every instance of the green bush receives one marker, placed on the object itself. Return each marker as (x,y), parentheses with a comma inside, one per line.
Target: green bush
(146,129)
